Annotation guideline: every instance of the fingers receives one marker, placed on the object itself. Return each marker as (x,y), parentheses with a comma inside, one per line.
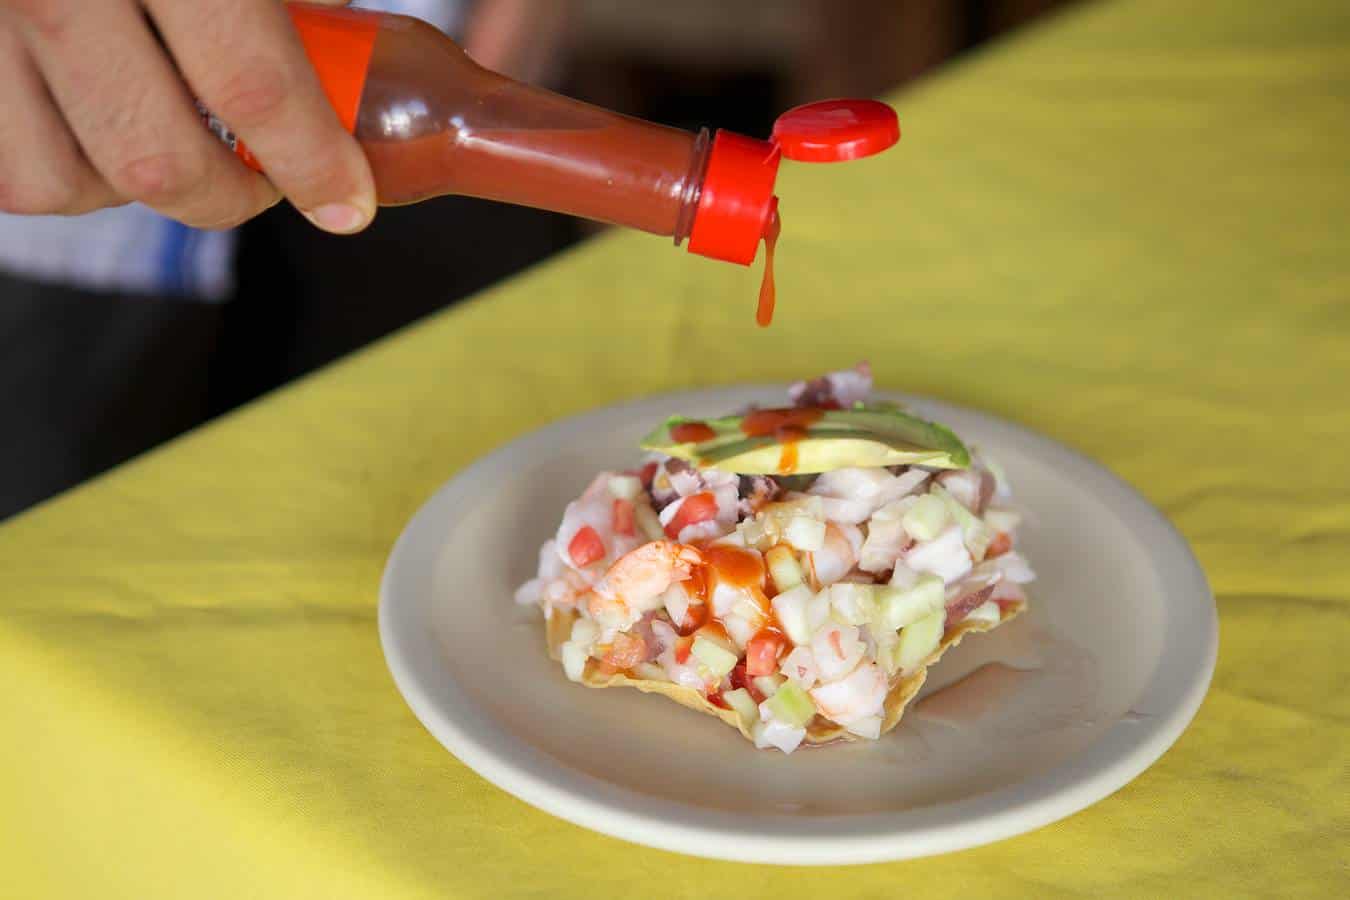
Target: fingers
(243,60)
(133,117)
(42,171)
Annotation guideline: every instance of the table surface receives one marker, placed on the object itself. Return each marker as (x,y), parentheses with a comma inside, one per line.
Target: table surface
(1126,227)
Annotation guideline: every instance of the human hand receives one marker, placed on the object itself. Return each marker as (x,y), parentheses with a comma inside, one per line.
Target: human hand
(96,112)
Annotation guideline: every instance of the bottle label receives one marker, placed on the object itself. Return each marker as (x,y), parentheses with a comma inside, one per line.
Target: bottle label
(227,137)
(339,43)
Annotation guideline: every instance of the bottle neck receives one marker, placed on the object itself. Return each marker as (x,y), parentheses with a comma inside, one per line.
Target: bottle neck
(693,185)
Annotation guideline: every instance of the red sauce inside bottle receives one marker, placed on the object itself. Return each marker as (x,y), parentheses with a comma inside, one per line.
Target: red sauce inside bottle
(433,122)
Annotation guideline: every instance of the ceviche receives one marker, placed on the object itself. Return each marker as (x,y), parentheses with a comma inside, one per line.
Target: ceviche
(793,571)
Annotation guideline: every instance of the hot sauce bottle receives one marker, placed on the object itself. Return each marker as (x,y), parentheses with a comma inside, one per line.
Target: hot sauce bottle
(433,122)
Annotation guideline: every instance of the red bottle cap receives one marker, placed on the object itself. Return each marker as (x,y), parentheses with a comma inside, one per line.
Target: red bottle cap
(735,202)
(737,197)
(836,130)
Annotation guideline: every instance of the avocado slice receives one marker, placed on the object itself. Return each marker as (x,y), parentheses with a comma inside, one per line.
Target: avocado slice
(840,438)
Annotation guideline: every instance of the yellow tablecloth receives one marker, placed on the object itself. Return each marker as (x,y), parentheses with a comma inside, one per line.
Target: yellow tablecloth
(1128,228)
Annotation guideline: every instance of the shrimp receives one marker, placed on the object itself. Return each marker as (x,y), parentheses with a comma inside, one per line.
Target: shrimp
(637,581)
(839,554)
(859,695)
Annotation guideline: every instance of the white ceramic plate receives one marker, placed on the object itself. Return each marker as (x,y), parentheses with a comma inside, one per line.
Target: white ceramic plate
(1015,729)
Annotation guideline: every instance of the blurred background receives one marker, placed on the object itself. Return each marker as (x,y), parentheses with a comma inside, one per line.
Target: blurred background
(92,374)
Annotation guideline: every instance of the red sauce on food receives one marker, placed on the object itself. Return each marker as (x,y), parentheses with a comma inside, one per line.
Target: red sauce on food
(715,630)
(737,567)
(787,426)
(694,619)
(772,422)
(692,433)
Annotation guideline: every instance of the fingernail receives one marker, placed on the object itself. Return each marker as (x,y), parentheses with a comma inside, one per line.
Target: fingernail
(341,218)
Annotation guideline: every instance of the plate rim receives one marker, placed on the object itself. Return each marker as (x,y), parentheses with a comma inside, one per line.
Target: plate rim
(1119,755)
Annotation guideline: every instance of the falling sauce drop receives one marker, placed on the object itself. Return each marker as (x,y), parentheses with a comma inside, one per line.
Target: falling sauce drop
(767,295)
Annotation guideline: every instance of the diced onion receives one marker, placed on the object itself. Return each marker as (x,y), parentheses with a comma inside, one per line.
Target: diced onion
(804,533)
(574,660)
(791,609)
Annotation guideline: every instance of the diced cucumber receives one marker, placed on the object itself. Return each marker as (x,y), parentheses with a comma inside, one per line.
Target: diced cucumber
(716,636)
(625,487)
(744,706)
(768,684)
(784,569)
(898,607)
(790,705)
(853,604)
(919,640)
(926,518)
(790,607)
(976,535)
(718,660)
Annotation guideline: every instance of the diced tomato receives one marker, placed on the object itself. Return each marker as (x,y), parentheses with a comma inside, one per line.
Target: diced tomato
(624,517)
(761,654)
(646,474)
(694,618)
(715,698)
(1000,545)
(682,650)
(741,679)
(695,508)
(586,547)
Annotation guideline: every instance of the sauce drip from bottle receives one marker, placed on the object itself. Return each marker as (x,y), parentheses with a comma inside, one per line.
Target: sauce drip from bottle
(767,292)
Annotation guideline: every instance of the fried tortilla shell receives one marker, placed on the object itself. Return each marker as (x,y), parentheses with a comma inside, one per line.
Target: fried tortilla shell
(819,731)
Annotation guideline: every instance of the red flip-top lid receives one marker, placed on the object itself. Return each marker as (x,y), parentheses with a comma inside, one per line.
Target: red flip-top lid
(737,197)
(836,130)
